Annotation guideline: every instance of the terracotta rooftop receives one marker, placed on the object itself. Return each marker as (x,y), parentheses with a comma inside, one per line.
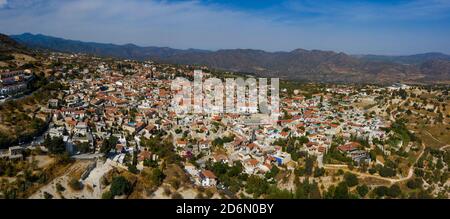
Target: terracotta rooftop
(208,174)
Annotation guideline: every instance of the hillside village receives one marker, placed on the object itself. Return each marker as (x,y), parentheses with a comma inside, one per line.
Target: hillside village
(112,121)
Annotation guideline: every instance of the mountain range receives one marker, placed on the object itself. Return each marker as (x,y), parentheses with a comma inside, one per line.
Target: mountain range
(13,54)
(9,46)
(299,64)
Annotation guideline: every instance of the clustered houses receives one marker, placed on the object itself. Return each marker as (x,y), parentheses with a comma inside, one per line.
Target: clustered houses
(123,101)
(13,153)
(320,121)
(254,145)
(14,82)
(131,100)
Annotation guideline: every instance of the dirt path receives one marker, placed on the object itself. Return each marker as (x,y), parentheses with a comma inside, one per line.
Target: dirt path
(444,147)
(392,181)
(428,133)
(95,176)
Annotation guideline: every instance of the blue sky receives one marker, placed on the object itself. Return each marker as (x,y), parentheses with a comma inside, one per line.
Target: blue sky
(355,27)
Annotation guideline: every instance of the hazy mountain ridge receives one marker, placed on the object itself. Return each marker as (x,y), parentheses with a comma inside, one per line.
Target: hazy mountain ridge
(8,45)
(410,59)
(299,64)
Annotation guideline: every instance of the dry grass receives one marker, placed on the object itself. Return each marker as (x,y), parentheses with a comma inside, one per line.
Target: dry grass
(53,171)
(78,170)
(370,181)
(22,58)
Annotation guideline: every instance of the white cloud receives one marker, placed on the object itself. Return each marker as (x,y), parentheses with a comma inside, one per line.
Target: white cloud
(191,24)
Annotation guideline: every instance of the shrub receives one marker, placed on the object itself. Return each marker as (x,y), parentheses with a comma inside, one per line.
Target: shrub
(60,188)
(209,193)
(175,183)
(75,184)
(177,195)
(318,172)
(362,190)
(107,195)
(341,191)
(414,183)
(381,191)
(200,196)
(350,179)
(48,195)
(4,57)
(167,191)
(387,172)
(133,169)
(394,191)
(157,176)
(120,186)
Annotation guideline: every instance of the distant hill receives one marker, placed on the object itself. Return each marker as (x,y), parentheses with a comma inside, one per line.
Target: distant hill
(411,59)
(299,64)
(127,51)
(9,46)
(13,54)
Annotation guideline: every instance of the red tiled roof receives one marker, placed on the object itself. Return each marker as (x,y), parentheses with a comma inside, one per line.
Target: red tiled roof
(181,142)
(253,162)
(252,145)
(321,149)
(208,174)
(349,146)
(144,155)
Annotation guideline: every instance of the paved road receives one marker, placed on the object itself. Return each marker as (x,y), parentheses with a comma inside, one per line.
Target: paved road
(87,156)
(19,98)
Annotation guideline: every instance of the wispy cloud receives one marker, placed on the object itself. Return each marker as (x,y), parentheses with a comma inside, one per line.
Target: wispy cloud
(3,3)
(371,10)
(157,22)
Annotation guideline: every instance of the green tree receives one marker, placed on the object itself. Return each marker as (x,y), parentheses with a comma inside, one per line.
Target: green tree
(256,186)
(394,191)
(387,172)
(48,195)
(381,191)
(341,191)
(133,169)
(83,147)
(318,172)
(276,193)
(272,173)
(55,145)
(75,184)
(120,186)
(303,140)
(107,195)
(157,176)
(108,144)
(414,183)
(309,164)
(362,190)
(350,179)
